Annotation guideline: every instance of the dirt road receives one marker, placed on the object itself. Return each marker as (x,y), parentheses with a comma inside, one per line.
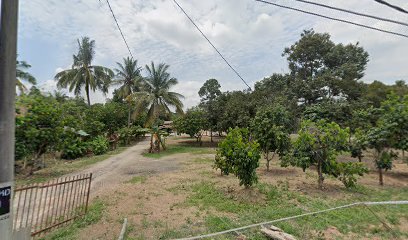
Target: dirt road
(122,167)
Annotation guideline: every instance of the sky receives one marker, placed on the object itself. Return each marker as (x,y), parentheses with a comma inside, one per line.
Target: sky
(251,36)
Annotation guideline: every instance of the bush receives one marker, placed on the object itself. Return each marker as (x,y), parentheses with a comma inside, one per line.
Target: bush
(99,145)
(348,171)
(73,147)
(239,155)
(128,134)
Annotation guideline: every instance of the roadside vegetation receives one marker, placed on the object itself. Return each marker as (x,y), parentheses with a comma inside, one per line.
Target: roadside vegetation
(310,139)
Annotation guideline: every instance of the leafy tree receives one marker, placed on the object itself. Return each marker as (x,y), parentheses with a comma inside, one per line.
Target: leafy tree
(192,123)
(239,155)
(23,75)
(108,118)
(128,76)
(318,144)
(83,74)
(210,90)
(209,93)
(378,138)
(395,117)
(389,131)
(239,110)
(270,128)
(38,128)
(156,95)
(321,69)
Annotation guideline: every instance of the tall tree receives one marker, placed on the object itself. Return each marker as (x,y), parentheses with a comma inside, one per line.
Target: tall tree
(23,75)
(128,76)
(156,95)
(321,69)
(83,74)
(209,92)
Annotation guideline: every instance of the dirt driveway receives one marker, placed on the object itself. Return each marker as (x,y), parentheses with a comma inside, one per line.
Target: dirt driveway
(108,174)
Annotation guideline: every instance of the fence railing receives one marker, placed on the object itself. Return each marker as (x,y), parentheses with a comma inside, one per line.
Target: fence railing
(44,206)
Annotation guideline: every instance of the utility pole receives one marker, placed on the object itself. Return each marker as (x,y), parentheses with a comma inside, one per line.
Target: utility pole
(8,54)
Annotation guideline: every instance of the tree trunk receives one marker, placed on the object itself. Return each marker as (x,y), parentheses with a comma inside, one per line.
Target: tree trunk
(211,135)
(359,158)
(380,174)
(87,94)
(267,161)
(151,143)
(129,115)
(320,173)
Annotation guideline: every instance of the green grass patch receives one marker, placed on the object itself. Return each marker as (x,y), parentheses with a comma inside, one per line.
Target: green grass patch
(61,167)
(175,149)
(279,202)
(70,232)
(138,179)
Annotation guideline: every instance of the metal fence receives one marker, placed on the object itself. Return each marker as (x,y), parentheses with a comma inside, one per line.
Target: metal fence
(44,206)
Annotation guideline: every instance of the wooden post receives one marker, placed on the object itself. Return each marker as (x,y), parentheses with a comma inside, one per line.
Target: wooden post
(8,55)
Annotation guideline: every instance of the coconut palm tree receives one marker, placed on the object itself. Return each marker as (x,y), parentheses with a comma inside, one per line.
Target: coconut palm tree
(83,74)
(23,75)
(156,95)
(128,76)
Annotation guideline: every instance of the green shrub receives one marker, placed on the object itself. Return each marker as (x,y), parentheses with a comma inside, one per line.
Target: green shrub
(99,145)
(347,172)
(73,147)
(238,154)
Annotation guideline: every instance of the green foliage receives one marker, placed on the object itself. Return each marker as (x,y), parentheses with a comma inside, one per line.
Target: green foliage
(38,126)
(239,155)
(99,145)
(384,161)
(73,146)
(210,93)
(129,134)
(322,69)
(270,128)
(347,172)
(318,144)
(238,110)
(192,123)
(156,96)
(83,74)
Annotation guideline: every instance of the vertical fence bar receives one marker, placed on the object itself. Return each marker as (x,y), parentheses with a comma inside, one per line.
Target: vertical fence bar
(41,190)
(16,215)
(27,213)
(22,210)
(74,201)
(72,197)
(60,200)
(45,206)
(89,190)
(66,199)
(55,209)
(82,196)
(34,208)
(77,206)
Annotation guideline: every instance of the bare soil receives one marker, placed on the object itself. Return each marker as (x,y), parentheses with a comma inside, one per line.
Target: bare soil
(152,208)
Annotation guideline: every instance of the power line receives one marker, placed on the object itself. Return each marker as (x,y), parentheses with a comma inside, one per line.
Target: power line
(208,40)
(120,30)
(295,217)
(353,12)
(392,6)
(335,19)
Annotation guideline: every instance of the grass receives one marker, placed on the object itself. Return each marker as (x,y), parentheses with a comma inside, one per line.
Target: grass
(59,168)
(280,202)
(175,149)
(71,231)
(138,179)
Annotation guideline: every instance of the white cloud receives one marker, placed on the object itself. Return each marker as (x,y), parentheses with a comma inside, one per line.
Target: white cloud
(251,36)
